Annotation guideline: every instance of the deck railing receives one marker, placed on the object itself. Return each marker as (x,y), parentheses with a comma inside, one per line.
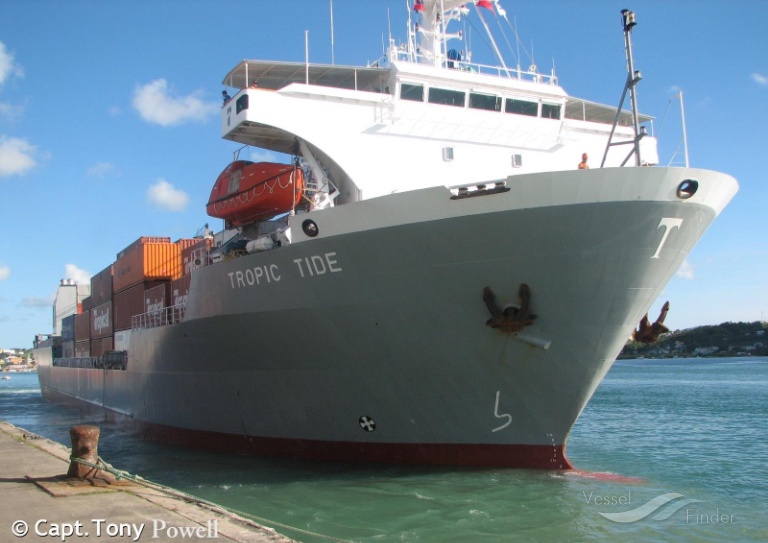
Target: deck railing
(508,72)
(159,317)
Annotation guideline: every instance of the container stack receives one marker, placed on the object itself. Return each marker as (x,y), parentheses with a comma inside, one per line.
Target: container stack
(141,281)
(100,313)
(147,278)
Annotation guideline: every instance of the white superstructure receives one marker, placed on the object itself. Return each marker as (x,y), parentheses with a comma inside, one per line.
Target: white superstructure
(444,120)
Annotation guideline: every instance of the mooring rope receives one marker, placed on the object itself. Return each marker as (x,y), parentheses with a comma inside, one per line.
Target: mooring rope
(120,474)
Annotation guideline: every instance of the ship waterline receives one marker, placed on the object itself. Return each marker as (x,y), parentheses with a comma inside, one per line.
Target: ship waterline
(369,342)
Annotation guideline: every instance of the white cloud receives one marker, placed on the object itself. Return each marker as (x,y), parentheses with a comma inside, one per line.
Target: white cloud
(165,196)
(38,302)
(101,169)
(5,273)
(760,79)
(10,111)
(685,271)
(7,66)
(80,276)
(156,104)
(16,156)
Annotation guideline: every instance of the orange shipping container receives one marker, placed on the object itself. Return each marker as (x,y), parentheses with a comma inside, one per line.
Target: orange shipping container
(146,260)
(142,240)
(183,243)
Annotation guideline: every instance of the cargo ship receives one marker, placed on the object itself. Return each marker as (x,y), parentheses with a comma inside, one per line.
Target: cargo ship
(435,279)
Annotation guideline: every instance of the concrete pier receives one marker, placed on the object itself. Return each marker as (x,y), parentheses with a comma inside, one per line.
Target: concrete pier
(41,504)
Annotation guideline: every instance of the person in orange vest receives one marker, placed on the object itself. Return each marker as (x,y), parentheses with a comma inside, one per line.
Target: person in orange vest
(583,164)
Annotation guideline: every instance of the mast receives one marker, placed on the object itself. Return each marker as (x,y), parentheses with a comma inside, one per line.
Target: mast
(633,78)
(333,60)
(628,19)
(685,135)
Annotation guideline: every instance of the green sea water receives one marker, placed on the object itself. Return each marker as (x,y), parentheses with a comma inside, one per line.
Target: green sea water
(666,450)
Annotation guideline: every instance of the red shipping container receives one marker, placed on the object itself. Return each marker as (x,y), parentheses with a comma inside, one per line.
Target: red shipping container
(101,321)
(101,286)
(87,304)
(145,260)
(156,298)
(130,302)
(83,326)
(179,290)
(101,346)
(195,256)
(83,348)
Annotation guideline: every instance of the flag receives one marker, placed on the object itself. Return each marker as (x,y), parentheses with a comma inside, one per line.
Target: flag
(487,4)
(418,5)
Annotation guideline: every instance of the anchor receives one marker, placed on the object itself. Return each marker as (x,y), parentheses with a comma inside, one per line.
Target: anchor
(649,333)
(511,319)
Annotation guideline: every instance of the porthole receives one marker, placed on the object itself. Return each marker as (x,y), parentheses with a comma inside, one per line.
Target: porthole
(687,188)
(310,228)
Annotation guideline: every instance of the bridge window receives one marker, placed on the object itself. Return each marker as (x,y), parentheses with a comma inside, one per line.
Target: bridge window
(412,92)
(242,103)
(521,107)
(484,101)
(446,97)
(550,111)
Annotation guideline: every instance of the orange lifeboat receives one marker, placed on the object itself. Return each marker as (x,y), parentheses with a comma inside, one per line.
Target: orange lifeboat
(247,192)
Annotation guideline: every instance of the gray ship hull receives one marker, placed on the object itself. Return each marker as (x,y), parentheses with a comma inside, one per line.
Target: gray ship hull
(369,341)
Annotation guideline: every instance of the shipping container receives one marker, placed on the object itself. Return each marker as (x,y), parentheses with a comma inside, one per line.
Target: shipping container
(195,256)
(130,302)
(183,243)
(156,298)
(101,321)
(68,328)
(87,305)
(146,260)
(101,346)
(83,348)
(68,349)
(101,286)
(83,326)
(179,291)
(141,241)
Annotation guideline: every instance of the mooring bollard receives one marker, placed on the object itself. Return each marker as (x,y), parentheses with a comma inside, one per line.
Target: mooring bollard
(85,446)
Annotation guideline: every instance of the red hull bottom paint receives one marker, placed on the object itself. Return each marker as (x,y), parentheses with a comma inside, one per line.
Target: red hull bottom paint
(433,454)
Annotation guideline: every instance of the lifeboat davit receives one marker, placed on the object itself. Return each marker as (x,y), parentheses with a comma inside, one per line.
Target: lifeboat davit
(247,192)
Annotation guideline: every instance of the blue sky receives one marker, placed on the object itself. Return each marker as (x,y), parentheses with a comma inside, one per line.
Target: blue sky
(109,126)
